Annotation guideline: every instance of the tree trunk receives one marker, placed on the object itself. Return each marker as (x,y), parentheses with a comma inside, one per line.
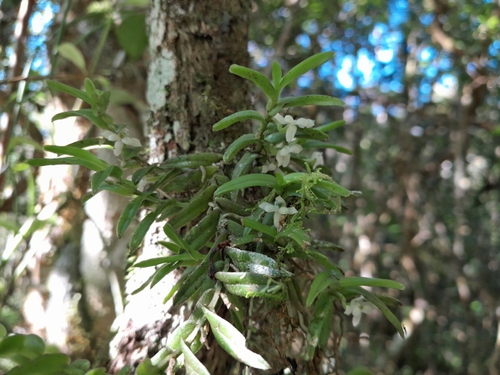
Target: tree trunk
(192,45)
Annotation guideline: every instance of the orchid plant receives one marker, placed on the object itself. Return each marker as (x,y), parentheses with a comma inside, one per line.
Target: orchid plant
(238,236)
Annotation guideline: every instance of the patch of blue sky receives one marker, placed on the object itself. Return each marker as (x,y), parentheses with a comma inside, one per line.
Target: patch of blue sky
(424,98)
(349,48)
(336,46)
(394,38)
(349,33)
(471,68)
(494,48)
(352,101)
(303,40)
(426,19)
(399,12)
(305,80)
(348,6)
(448,81)
(367,20)
(445,63)
(425,87)
(388,70)
(365,64)
(384,55)
(377,109)
(431,71)
(325,71)
(345,80)
(323,41)
(426,54)
(310,26)
(396,86)
(378,33)
(492,63)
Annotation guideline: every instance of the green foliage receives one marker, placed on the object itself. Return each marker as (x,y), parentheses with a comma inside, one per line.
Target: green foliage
(234,209)
(28,356)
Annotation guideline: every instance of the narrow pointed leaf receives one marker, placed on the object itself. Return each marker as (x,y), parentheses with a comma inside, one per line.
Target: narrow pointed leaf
(237,117)
(233,341)
(320,100)
(320,283)
(258,78)
(58,86)
(305,66)
(193,364)
(80,154)
(367,281)
(128,214)
(371,297)
(86,113)
(249,180)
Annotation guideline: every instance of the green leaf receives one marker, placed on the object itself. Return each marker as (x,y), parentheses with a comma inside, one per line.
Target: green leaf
(47,364)
(300,101)
(238,145)
(33,346)
(61,161)
(160,260)
(360,371)
(233,342)
(141,230)
(371,297)
(322,281)
(249,180)
(72,53)
(193,364)
(3,331)
(129,213)
(237,117)
(259,79)
(323,260)
(174,237)
(321,319)
(191,284)
(305,66)
(11,345)
(147,368)
(182,332)
(132,35)
(91,143)
(85,155)
(317,144)
(276,74)
(86,113)
(199,235)
(331,126)
(15,141)
(259,227)
(97,371)
(334,187)
(367,281)
(197,205)
(58,86)
(99,177)
(203,159)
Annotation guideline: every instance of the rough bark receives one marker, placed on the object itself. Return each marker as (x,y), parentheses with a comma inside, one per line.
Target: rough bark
(192,45)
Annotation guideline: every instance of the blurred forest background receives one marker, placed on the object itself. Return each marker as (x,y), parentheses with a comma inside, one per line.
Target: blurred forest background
(421,83)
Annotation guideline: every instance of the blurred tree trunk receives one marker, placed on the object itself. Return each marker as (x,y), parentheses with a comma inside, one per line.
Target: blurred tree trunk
(192,45)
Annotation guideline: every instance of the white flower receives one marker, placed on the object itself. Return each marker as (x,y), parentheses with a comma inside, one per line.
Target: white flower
(317,158)
(292,125)
(356,307)
(283,155)
(280,210)
(268,167)
(120,139)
